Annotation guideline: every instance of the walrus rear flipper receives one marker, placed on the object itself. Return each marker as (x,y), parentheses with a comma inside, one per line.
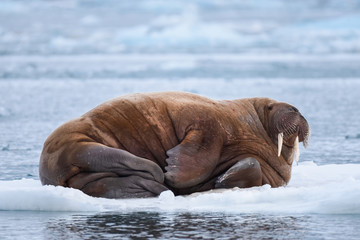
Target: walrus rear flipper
(193,160)
(115,173)
(108,185)
(96,157)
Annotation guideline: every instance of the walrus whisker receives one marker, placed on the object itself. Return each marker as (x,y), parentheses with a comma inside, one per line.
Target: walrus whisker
(280,142)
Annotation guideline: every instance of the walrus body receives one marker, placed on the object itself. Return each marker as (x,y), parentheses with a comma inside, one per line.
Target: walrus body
(142,144)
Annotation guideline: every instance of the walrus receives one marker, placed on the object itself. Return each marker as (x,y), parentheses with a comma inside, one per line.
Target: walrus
(140,145)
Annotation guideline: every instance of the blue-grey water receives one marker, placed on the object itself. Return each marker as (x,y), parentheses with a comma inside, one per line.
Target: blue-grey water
(145,225)
(59,59)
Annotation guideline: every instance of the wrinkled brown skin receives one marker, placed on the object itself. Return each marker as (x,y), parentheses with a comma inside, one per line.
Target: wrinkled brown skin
(142,144)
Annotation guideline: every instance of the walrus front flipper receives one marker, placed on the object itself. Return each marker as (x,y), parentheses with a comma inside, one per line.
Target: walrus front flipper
(244,174)
(108,185)
(193,160)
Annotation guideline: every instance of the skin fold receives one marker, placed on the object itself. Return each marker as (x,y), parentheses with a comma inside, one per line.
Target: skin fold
(142,144)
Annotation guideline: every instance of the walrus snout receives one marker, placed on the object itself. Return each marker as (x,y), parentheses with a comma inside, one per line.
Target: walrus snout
(288,127)
(293,127)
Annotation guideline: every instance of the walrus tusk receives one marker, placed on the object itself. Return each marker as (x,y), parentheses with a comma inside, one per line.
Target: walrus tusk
(280,143)
(296,149)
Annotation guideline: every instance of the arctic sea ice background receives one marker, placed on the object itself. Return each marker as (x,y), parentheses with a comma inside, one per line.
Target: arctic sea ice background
(59,59)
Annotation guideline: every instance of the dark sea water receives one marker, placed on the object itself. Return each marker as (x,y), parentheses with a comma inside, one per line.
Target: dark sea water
(59,59)
(145,225)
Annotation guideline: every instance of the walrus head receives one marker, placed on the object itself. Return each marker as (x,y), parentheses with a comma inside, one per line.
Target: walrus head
(286,127)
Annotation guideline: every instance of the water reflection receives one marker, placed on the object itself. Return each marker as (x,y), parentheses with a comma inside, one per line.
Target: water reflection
(175,225)
(154,225)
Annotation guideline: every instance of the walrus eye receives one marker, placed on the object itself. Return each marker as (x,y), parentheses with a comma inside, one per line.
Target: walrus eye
(270,107)
(293,109)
